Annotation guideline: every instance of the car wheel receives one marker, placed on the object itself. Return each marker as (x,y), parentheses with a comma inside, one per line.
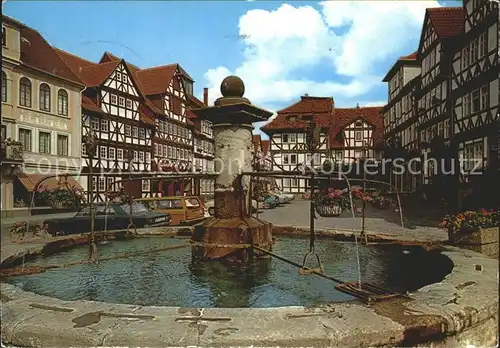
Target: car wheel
(211,211)
(266,206)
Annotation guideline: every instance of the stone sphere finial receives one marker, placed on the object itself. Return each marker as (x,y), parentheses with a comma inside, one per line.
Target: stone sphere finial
(232,87)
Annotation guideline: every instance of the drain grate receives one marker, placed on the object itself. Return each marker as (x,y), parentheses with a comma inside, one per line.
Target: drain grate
(367,292)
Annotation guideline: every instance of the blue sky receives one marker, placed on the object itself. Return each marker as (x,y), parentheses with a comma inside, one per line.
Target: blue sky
(281,50)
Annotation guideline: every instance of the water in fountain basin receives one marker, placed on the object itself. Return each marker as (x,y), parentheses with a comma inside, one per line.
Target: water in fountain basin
(169,278)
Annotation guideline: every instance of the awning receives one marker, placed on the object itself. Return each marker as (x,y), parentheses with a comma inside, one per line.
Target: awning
(30,180)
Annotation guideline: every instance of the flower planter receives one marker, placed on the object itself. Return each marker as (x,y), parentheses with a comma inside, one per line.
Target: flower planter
(484,240)
(329,210)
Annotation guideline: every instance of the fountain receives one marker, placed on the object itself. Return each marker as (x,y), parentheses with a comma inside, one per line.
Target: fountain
(238,287)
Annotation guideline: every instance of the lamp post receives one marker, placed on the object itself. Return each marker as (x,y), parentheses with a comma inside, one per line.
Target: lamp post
(90,143)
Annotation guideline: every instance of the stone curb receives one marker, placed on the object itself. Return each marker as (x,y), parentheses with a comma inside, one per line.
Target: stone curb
(447,313)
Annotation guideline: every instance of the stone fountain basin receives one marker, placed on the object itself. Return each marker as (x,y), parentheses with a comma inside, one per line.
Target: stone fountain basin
(462,309)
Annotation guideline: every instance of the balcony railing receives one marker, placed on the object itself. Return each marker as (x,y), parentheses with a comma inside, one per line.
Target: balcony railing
(11,151)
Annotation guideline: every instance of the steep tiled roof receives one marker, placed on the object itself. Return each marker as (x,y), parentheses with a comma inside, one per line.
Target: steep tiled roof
(95,75)
(156,80)
(89,105)
(73,62)
(447,21)
(320,107)
(410,60)
(37,53)
(346,116)
(411,57)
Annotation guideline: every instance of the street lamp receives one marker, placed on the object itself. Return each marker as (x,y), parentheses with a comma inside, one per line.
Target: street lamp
(90,143)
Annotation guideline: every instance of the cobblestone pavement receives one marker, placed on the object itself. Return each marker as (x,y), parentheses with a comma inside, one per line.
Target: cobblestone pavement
(296,214)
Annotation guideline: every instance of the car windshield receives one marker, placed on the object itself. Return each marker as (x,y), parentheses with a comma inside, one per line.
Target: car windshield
(192,203)
(137,208)
(169,204)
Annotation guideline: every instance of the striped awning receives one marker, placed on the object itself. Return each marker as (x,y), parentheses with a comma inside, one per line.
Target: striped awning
(30,180)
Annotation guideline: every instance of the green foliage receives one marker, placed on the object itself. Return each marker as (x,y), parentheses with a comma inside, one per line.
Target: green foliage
(470,221)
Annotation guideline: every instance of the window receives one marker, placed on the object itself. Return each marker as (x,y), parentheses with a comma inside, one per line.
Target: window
(475,103)
(177,153)
(358,135)
(104,125)
(155,149)
(473,51)
(94,184)
(4,36)
(118,76)
(44,142)
(128,130)
(113,99)
(102,184)
(466,105)
(148,157)
(285,138)
(109,184)
(111,153)
(25,92)
(293,183)
(3,135)
(135,131)
(160,150)
(4,87)
(119,154)
(62,145)
(169,152)
(145,185)
(293,138)
(129,104)
(84,151)
(94,124)
(465,57)
(483,43)
(44,97)
(142,133)
(141,156)
(121,101)
(484,97)
(446,129)
(25,139)
(103,152)
(62,102)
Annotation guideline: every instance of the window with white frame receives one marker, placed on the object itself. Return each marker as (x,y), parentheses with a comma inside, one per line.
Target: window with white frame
(160,150)
(145,185)
(103,152)
(483,44)
(142,133)
(155,149)
(148,157)
(129,104)
(169,152)
(104,125)
(141,156)
(114,99)
(62,145)
(135,131)
(128,130)
(293,183)
(473,51)
(111,153)
(136,156)
(119,154)
(94,124)
(358,135)
(109,184)
(466,105)
(475,101)
(118,76)
(25,139)
(284,138)
(484,97)
(94,184)
(121,101)
(44,142)
(84,151)
(102,184)
(465,57)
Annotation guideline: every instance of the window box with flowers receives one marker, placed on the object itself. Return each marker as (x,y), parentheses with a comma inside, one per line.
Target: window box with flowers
(474,230)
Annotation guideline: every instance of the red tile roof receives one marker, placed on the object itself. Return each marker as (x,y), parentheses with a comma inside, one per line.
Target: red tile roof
(37,53)
(410,60)
(75,63)
(346,116)
(89,105)
(411,57)
(95,75)
(447,21)
(156,80)
(320,107)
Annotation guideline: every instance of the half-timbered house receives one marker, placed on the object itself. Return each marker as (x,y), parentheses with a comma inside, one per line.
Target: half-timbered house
(266,164)
(204,151)
(168,88)
(355,133)
(287,135)
(441,36)
(115,111)
(476,88)
(400,116)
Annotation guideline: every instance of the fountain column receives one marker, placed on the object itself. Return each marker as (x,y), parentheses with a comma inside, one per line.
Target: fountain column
(230,232)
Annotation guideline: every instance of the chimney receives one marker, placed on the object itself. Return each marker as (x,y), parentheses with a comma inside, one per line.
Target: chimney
(205,95)
(306,95)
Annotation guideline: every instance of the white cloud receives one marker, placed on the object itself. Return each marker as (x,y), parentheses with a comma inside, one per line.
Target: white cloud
(349,36)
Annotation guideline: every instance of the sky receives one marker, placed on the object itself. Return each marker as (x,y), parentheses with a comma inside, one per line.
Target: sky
(281,50)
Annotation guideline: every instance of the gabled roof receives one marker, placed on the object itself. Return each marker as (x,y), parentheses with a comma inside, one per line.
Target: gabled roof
(38,54)
(346,116)
(448,22)
(321,108)
(156,80)
(96,75)
(110,57)
(409,60)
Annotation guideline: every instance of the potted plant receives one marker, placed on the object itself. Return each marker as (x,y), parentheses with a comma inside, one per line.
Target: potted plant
(19,229)
(475,230)
(331,203)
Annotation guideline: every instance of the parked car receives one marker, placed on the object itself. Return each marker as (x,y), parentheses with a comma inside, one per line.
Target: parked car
(183,210)
(111,216)
(290,197)
(282,198)
(270,201)
(210,207)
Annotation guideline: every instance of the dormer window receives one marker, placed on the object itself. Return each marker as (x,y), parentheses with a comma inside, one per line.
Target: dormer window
(291,119)
(359,124)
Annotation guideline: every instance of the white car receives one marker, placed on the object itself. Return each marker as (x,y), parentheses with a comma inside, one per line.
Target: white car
(287,196)
(210,208)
